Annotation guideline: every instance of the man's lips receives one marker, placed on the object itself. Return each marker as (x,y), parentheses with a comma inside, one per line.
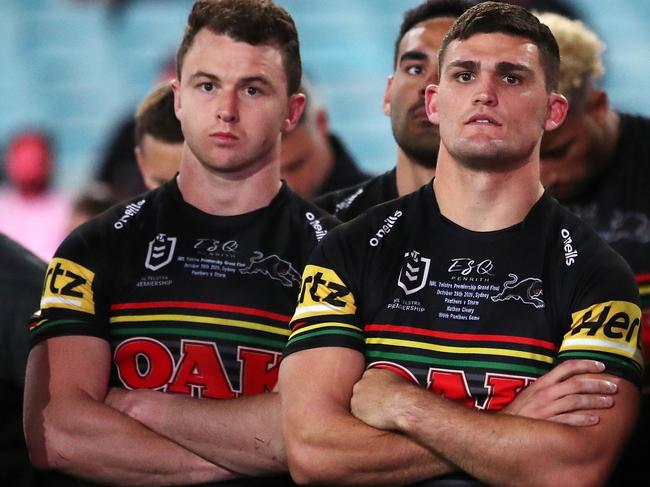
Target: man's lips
(482,119)
(224,136)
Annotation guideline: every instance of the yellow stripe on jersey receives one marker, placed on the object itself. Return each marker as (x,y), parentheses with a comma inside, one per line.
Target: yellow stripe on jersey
(329,324)
(612,327)
(323,293)
(141,319)
(462,350)
(68,285)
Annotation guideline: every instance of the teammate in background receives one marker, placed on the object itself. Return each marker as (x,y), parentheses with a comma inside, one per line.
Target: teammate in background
(457,297)
(158,136)
(21,280)
(188,289)
(314,160)
(92,201)
(415,60)
(118,166)
(598,165)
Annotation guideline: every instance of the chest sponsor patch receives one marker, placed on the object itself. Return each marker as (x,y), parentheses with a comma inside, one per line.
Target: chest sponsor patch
(68,285)
(612,327)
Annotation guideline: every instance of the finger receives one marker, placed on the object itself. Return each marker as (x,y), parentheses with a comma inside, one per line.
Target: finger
(589,385)
(573,367)
(576,419)
(580,402)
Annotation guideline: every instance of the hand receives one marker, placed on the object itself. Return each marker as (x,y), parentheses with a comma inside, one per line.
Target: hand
(566,394)
(375,396)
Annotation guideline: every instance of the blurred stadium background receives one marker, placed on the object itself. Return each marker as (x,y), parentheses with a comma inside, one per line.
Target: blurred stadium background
(78,67)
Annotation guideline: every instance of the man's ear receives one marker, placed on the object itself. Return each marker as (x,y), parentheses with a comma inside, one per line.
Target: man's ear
(296,106)
(431,103)
(385,104)
(322,121)
(556,112)
(598,105)
(176,88)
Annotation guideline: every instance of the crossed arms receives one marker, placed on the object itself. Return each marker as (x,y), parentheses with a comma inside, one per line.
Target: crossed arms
(396,433)
(72,425)
(69,427)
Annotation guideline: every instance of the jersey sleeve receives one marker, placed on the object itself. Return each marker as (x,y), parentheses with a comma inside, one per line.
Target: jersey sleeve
(605,321)
(326,314)
(69,302)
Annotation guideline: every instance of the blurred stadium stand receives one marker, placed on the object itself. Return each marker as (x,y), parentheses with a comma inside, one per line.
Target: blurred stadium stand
(76,67)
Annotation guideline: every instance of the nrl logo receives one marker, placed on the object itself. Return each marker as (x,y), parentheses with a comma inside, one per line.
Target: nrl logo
(414,272)
(161,251)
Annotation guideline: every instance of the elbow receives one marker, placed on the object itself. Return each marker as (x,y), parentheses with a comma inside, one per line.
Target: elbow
(311,465)
(47,447)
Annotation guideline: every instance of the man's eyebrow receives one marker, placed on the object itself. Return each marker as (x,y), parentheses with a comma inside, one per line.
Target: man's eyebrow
(204,74)
(246,80)
(413,56)
(506,67)
(255,79)
(468,65)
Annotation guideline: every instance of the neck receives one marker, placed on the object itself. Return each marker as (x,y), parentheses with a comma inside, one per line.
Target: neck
(484,201)
(228,193)
(411,175)
(610,136)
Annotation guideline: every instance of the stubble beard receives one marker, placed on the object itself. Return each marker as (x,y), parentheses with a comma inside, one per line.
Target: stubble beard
(421,145)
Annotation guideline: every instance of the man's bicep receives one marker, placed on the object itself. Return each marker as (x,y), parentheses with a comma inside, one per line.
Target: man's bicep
(320,378)
(61,365)
(617,422)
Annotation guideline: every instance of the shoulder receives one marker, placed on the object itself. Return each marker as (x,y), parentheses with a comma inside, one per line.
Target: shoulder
(19,266)
(308,215)
(586,259)
(350,202)
(381,225)
(116,227)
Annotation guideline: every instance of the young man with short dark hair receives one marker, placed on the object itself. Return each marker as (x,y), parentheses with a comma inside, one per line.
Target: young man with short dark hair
(183,296)
(424,317)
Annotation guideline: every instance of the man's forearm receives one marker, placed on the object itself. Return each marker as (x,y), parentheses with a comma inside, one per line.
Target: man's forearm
(501,449)
(337,449)
(243,435)
(85,438)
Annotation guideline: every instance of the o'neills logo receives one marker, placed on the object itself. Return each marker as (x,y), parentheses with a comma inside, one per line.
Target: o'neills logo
(319,230)
(385,228)
(570,253)
(131,210)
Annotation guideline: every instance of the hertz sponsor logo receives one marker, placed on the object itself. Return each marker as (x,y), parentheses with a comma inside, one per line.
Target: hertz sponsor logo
(570,253)
(385,228)
(323,292)
(130,211)
(612,326)
(68,285)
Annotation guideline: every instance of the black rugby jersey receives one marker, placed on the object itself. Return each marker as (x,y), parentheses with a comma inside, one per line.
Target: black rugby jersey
(474,315)
(160,278)
(616,204)
(345,204)
(191,303)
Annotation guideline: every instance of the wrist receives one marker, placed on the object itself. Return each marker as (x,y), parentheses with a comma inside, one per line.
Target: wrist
(406,410)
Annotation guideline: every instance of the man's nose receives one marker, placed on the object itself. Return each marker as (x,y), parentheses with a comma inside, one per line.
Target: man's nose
(485,93)
(227,109)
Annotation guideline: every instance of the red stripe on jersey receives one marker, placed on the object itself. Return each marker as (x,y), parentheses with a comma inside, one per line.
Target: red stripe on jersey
(643,278)
(461,336)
